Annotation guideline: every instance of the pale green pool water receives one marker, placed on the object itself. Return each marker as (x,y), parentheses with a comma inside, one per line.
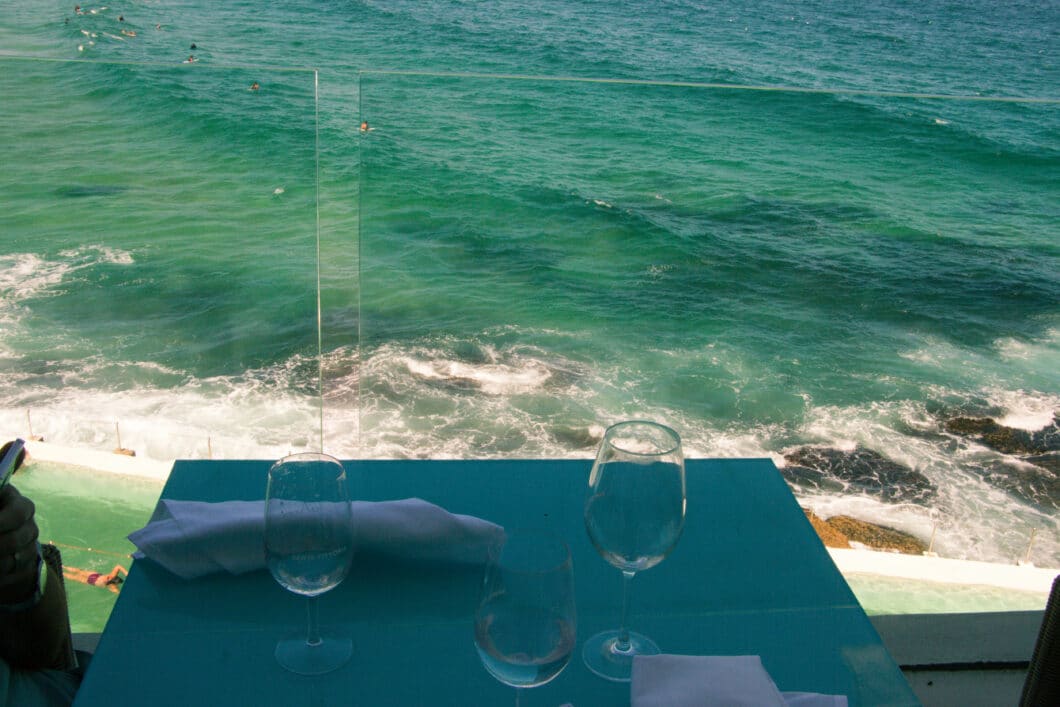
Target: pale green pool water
(88,515)
(893,595)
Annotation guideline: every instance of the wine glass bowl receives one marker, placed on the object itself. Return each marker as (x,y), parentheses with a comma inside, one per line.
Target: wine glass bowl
(526,621)
(634,516)
(308,550)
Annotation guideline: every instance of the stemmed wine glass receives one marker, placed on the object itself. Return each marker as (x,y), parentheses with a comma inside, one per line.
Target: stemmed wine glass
(308,548)
(634,514)
(526,622)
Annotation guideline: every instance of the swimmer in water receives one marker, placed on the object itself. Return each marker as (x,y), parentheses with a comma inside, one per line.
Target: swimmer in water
(364,126)
(254,86)
(111,581)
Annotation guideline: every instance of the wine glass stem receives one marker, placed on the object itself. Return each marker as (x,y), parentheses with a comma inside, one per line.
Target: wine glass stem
(622,644)
(518,693)
(312,622)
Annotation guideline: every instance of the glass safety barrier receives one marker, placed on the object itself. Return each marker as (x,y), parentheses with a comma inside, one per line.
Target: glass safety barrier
(860,285)
(158,285)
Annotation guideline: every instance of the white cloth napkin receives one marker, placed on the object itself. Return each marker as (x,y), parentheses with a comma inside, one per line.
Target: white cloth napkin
(713,681)
(193,538)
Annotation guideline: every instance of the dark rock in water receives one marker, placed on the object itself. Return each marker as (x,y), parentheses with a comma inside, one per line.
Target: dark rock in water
(1035,477)
(860,470)
(1007,440)
(80,191)
(810,478)
(576,437)
(1049,462)
(1032,481)
(970,425)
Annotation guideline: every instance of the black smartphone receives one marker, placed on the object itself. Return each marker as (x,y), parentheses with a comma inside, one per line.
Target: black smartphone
(10,461)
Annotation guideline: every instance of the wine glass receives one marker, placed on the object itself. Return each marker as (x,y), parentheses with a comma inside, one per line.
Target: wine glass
(526,622)
(308,548)
(634,514)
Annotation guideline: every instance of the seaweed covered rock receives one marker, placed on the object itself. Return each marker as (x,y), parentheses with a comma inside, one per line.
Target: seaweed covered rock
(828,535)
(878,537)
(840,531)
(859,470)
(1007,440)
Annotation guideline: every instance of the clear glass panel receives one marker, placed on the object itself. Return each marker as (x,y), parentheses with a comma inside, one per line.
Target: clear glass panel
(158,279)
(831,279)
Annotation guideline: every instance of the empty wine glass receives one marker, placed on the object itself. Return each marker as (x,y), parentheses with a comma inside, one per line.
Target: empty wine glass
(526,622)
(634,514)
(308,548)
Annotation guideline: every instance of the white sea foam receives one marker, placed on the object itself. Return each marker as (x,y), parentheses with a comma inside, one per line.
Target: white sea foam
(453,399)
(940,353)
(490,378)
(88,255)
(255,415)
(701,442)
(27,275)
(1025,410)
(1041,356)
(1019,361)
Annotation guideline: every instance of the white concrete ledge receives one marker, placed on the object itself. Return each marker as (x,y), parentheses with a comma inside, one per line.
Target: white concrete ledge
(939,569)
(111,462)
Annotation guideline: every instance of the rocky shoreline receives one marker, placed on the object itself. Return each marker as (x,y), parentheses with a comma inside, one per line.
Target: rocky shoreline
(1026,465)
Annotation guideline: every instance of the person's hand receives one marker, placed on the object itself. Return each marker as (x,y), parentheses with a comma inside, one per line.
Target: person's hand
(18,546)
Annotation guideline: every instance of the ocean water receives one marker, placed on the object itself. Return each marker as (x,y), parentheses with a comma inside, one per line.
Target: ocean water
(818,233)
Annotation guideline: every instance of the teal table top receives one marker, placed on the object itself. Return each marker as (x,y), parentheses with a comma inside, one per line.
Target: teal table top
(749,576)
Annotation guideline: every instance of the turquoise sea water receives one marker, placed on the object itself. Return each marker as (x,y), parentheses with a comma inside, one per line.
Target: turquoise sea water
(771,226)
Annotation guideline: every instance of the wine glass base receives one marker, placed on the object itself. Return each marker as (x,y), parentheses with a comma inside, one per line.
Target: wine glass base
(303,658)
(603,656)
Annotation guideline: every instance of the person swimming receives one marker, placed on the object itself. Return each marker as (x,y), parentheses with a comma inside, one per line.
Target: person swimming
(364,126)
(111,581)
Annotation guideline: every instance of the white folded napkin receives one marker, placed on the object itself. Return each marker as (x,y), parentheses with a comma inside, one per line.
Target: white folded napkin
(193,538)
(713,681)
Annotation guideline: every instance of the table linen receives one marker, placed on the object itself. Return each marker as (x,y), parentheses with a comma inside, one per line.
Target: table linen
(192,538)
